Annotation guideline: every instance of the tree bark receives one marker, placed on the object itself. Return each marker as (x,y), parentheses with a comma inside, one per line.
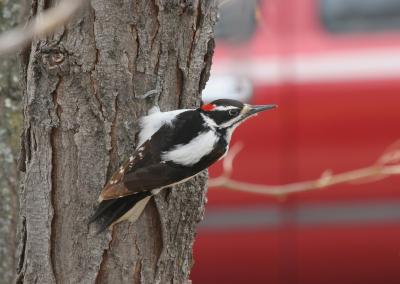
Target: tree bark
(82,101)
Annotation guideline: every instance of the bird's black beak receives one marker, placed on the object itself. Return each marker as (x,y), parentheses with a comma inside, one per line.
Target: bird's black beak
(251,110)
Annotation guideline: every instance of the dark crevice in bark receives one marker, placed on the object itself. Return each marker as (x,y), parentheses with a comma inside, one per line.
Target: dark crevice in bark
(21,251)
(53,232)
(199,18)
(205,73)
(46,4)
(22,154)
(155,34)
(180,76)
(34,7)
(93,11)
(98,100)
(28,145)
(55,100)
(157,66)
(104,259)
(23,63)
(34,141)
(113,157)
(55,138)
(92,72)
(133,60)
(25,154)
(192,45)
(137,272)
(101,266)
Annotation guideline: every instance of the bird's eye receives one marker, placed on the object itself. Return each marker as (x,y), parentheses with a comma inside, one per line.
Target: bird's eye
(233,112)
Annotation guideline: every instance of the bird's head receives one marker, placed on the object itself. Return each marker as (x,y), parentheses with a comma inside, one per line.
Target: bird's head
(227,114)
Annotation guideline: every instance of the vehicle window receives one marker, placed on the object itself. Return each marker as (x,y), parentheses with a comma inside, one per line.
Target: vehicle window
(360,15)
(236,20)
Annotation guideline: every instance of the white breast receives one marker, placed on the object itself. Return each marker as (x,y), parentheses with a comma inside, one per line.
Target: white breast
(152,123)
(191,153)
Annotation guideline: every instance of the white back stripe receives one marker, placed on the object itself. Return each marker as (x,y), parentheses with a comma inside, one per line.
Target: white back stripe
(151,123)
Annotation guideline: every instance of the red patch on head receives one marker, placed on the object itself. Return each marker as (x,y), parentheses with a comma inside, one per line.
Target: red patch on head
(208,107)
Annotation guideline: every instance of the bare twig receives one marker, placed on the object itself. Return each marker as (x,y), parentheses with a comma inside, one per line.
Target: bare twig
(387,165)
(44,23)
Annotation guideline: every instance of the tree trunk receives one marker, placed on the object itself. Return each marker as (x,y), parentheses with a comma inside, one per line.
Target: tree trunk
(82,101)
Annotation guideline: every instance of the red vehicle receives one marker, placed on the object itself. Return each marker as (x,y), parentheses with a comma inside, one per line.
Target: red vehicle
(333,67)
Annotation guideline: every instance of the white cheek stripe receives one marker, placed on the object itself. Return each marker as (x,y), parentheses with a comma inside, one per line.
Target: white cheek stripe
(192,152)
(231,122)
(209,121)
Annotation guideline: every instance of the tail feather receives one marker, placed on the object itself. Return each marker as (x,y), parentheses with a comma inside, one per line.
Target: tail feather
(110,211)
(101,209)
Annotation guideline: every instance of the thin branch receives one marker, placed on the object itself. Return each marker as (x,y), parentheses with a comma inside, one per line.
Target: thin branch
(44,23)
(387,165)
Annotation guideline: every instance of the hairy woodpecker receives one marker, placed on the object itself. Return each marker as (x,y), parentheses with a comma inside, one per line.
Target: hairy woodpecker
(173,147)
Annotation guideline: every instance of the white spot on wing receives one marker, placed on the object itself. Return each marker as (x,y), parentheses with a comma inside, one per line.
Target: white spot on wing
(192,152)
(152,123)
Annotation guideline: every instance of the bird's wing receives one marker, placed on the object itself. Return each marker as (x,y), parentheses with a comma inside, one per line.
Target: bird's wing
(115,187)
(151,123)
(153,176)
(144,170)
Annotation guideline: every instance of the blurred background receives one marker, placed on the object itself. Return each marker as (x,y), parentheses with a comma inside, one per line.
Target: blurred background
(333,67)
(10,129)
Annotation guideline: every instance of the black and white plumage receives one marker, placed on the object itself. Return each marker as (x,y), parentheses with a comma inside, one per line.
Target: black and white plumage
(173,147)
